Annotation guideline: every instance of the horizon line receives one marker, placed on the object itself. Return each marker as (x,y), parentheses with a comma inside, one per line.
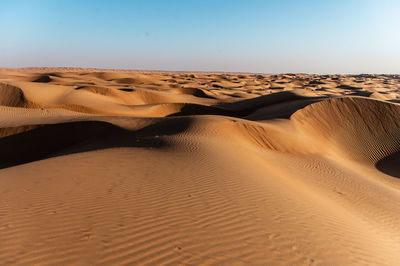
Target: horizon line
(72,68)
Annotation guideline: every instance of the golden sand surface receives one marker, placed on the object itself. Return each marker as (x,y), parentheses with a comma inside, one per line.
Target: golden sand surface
(108,167)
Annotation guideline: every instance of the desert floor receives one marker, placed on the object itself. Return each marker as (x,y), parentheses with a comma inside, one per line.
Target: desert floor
(135,168)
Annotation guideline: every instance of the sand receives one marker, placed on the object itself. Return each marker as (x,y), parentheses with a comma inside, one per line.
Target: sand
(106,167)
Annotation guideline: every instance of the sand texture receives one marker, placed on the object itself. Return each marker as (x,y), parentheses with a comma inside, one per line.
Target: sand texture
(102,167)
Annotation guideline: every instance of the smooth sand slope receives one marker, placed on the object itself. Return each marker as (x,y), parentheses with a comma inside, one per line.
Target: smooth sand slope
(153,168)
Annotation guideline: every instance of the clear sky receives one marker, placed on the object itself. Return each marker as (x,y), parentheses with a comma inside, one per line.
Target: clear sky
(280,36)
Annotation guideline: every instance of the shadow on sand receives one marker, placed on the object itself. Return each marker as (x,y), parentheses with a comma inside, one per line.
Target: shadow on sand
(68,138)
(390,165)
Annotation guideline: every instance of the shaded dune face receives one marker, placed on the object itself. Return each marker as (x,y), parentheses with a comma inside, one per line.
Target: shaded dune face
(52,140)
(390,164)
(12,96)
(42,79)
(157,168)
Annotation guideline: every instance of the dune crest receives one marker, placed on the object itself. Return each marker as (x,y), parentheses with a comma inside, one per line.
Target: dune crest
(362,128)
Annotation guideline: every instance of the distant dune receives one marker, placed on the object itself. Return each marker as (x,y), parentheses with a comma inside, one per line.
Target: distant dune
(108,167)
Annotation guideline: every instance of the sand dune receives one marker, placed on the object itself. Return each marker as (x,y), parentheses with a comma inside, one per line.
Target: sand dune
(148,168)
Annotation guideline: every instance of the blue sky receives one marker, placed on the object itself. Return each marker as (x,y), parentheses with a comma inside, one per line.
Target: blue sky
(308,36)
